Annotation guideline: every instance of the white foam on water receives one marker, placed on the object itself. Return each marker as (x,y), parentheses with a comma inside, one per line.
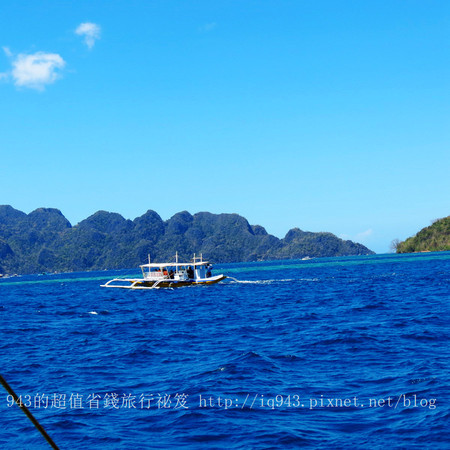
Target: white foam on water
(234,280)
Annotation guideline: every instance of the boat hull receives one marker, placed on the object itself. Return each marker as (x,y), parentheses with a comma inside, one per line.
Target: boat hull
(139,283)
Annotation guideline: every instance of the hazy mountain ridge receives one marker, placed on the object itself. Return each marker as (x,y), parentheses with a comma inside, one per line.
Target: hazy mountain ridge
(45,241)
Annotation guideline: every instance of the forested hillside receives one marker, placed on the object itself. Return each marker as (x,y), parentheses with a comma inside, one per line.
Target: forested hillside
(434,238)
(45,241)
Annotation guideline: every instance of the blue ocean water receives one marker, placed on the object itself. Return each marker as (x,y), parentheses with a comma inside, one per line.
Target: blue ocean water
(332,352)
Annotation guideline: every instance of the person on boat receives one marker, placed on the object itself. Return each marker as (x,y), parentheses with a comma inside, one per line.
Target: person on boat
(190,272)
(208,273)
(165,271)
(171,274)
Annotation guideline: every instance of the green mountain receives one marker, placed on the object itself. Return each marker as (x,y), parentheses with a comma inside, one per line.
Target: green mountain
(434,238)
(45,241)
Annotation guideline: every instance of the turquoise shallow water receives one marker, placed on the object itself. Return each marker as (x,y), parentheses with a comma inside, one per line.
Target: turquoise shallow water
(345,352)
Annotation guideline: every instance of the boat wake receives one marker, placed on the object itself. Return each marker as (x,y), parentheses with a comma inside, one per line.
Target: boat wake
(235,280)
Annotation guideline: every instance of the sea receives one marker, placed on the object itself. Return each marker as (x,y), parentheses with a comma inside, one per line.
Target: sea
(345,352)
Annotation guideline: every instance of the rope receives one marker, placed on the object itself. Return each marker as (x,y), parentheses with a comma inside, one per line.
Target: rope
(28,413)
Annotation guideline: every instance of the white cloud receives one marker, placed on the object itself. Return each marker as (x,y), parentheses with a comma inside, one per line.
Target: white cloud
(208,27)
(5,75)
(360,237)
(90,31)
(364,235)
(7,51)
(36,70)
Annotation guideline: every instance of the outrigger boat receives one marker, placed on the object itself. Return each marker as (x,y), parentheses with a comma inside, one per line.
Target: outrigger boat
(175,274)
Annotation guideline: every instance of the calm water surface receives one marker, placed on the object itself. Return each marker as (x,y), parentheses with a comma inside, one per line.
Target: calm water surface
(333,352)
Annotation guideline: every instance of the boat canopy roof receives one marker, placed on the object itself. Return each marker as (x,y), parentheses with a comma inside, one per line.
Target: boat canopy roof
(176,264)
(196,261)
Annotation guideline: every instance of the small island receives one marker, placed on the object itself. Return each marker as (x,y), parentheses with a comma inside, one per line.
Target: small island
(434,238)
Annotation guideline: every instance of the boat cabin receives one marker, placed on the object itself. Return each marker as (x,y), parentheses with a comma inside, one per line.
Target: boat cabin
(196,270)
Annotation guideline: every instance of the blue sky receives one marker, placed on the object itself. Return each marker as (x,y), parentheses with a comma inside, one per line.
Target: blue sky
(322,115)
